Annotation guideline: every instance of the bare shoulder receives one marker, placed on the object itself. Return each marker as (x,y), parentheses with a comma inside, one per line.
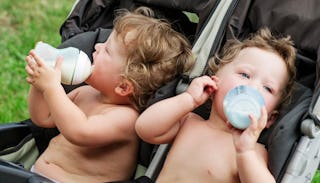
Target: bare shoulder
(80,90)
(84,89)
(191,118)
(125,112)
(123,116)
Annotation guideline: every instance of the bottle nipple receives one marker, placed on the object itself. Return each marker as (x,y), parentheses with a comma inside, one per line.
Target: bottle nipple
(82,69)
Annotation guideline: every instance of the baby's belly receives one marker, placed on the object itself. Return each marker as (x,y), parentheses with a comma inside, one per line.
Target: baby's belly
(70,163)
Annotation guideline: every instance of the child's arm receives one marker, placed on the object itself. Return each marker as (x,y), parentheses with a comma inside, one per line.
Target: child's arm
(45,84)
(160,122)
(38,109)
(252,164)
(108,126)
(37,106)
(116,124)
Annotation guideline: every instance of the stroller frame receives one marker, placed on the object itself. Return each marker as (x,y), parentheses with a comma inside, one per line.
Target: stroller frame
(302,159)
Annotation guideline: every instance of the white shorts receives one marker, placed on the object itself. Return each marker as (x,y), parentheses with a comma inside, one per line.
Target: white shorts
(35,171)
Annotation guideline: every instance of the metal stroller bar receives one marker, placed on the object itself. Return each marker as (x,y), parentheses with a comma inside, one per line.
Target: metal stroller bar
(201,49)
(158,159)
(209,36)
(306,157)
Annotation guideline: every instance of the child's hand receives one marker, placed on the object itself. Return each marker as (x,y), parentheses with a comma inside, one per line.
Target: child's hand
(201,88)
(41,76)
(246,140)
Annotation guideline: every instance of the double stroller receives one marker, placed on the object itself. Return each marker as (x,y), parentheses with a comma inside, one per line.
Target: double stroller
(293,142)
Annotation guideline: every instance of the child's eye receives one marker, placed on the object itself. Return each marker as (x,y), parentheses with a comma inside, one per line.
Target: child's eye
(268,89)
(245,75)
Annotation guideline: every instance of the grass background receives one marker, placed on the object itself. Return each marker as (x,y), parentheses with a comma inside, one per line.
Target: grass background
(22,24)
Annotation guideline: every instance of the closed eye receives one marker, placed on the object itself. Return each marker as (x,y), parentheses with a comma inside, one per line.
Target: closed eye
(245,75)
(268,89)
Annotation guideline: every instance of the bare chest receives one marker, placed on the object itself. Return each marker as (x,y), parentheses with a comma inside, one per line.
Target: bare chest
(205,152)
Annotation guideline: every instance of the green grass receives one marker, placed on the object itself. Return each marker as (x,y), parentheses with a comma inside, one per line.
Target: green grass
(22,24)
(316,178)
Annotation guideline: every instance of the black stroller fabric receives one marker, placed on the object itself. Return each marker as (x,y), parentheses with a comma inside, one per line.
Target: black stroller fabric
(300,20)
(89,15)
(91,21)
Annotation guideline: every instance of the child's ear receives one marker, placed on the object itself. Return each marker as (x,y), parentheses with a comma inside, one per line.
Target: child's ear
(272,117)
(124,88)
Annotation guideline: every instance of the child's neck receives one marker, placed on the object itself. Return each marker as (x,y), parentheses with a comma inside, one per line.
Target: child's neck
(217,122)
(114,99)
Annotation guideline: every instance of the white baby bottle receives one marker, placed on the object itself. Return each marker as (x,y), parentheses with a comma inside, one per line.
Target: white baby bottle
(76,65)
(239,103)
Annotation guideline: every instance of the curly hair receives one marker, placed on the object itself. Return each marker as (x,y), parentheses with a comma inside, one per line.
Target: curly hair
(263,39)
(156,55)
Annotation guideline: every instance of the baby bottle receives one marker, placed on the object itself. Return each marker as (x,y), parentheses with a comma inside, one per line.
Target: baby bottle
(239,103)
(76,65)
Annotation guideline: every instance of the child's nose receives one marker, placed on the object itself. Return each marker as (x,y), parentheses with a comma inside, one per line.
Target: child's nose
(255,86)
(97,46)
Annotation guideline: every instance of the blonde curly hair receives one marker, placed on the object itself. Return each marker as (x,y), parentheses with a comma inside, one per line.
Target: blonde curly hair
(156,55)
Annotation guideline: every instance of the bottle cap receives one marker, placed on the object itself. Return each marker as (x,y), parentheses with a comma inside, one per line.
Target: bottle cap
(239,103)
(82,69)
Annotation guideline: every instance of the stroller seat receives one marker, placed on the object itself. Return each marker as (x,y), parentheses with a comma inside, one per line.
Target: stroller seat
(292,143)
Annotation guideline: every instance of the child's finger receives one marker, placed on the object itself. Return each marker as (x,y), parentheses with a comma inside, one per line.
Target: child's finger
(29,70)
(259,125)
(263,118)
(37,59)
(209,89)
(253,120)
(29,80)
(58,63)
(210,84)
(31,62)
(29,59)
